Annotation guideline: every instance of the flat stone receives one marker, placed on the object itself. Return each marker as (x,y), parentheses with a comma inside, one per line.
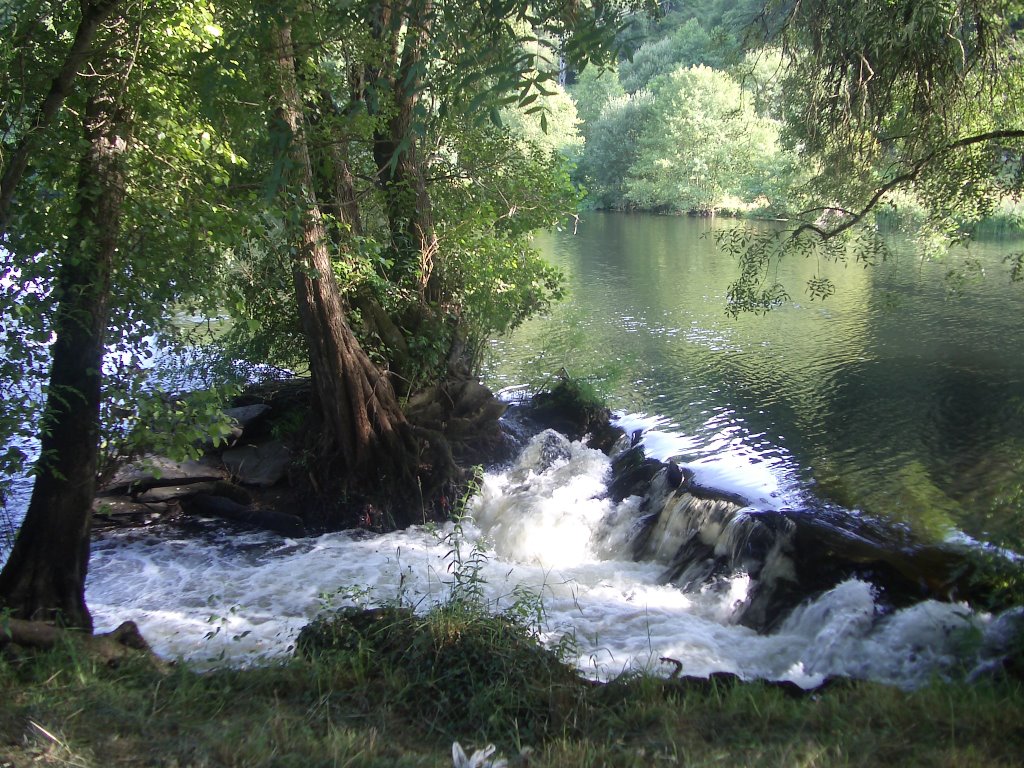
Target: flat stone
(122,511)
(158,470)
(215,488)
(263,465)
(271,520)
(123,506)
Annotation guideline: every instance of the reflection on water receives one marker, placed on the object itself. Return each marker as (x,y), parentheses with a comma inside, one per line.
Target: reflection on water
(892,396)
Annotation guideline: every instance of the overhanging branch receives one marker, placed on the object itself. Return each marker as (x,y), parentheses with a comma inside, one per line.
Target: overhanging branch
(915,170)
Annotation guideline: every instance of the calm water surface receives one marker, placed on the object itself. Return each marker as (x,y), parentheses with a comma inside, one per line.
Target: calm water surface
(893,397)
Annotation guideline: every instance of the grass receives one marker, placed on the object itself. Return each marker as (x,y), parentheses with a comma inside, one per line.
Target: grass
(396,690)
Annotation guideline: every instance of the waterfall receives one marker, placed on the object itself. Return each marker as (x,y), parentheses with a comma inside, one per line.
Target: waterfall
(608,574)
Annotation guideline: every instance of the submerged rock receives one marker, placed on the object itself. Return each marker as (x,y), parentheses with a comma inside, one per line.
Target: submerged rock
(573,409)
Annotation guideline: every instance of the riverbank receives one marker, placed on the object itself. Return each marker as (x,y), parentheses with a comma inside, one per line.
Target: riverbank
(61,708)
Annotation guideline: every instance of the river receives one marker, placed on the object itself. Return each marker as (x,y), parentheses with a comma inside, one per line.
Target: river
(894,397)
(890,399)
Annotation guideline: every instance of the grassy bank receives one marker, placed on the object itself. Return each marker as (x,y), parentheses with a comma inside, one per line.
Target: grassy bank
(365,704)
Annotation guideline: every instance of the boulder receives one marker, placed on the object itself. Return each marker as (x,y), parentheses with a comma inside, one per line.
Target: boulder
(245,420)
(702,535)
(153,471)
(261,465)
(214,488)
(124,511)
(267,519)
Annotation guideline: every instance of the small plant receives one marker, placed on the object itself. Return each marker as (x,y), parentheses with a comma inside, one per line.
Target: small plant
(358,595)
(466,564)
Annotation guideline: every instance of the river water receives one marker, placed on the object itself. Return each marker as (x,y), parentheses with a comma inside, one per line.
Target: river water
(893,397)
(890,399)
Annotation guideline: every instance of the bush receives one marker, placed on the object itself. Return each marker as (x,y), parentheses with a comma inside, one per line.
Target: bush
(454,670)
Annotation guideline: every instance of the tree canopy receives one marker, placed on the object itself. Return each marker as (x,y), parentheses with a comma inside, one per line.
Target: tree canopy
(337,177)
(887,103)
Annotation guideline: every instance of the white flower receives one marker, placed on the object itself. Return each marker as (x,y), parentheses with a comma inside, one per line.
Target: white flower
(480,759)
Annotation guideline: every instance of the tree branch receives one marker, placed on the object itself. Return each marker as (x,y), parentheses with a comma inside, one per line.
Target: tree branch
(914,171)
(93,16)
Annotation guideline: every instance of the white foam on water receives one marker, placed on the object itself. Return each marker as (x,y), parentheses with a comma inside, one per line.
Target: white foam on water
(543,526)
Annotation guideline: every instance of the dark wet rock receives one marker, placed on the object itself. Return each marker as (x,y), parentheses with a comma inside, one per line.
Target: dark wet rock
(704,536)
(215,488)
(266,519)
(553,448)
(261,465)
(246,416)
(125,512)
(632,473)
(1001,653)
(246,423)
(575,411)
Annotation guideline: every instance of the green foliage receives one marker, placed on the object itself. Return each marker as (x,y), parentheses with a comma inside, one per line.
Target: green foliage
(612,148)
(503,189)
(690,136)
(549,123)
(687,46)
(904,101)
(759,250)
(179,427)
(177,169)
(702,146)
(594,87)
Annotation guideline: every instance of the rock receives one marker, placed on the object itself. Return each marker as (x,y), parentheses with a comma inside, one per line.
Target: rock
(245,415)
(632,473)
(263,465)
(247,419)
(703,535)
(271,520)
(571,408)
(216,488)
(154,471)
(124,511)
(471,397)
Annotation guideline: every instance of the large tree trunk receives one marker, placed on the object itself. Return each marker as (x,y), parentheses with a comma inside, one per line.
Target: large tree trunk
(45,575)
(400,163)
(360,413)
(336,192)
(93,15)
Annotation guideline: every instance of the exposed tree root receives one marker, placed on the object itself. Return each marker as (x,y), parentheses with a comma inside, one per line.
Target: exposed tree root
(109,648)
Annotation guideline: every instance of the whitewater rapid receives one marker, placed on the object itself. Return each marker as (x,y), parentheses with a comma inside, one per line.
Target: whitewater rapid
(542,527)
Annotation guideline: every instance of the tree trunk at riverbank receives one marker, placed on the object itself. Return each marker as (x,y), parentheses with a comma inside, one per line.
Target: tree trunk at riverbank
(361,420)
(45,575)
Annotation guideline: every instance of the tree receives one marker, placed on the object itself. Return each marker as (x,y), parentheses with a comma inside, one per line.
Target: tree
(916,98)
(361,413)
(702,144)
(594,87)
(612,147)
(88,238)
(95,253)
(400,76)
(93,14)
(687,46)
(45,575)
